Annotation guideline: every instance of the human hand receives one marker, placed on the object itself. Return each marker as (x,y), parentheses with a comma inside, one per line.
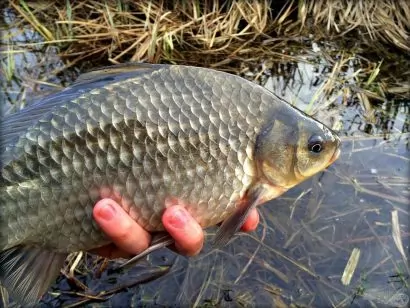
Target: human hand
(130,239)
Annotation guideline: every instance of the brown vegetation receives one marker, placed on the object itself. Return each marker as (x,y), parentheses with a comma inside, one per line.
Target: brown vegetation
(210,33)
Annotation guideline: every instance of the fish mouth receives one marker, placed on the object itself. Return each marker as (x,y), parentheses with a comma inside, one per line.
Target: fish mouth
(336,154)
(334,157)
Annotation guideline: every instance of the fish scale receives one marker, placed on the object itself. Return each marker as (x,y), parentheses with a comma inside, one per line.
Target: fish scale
(141,135)
(154,162)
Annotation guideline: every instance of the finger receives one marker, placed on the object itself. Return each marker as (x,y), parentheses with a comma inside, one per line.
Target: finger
(120,227)
(187,233)
(111,251)
(251,223)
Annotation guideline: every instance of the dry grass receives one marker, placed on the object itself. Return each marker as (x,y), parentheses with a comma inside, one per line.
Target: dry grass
(209,33)
(151,31)
(243,37)
(376,21)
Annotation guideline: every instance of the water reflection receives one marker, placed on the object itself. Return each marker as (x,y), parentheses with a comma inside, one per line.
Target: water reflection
(29,68)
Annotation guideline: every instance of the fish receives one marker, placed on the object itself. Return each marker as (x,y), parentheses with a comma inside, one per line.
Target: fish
(143,132)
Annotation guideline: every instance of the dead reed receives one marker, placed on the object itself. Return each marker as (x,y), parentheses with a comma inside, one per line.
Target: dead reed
(210,33)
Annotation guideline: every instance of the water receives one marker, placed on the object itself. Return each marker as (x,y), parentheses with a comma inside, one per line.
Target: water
(301,248)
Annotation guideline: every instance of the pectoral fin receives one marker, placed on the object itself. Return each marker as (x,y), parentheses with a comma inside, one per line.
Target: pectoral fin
(232,225)
(27,273)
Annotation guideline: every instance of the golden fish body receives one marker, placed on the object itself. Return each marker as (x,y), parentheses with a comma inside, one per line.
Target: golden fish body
(144,134)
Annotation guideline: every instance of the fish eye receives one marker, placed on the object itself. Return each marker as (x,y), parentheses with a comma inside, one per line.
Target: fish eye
(315,144)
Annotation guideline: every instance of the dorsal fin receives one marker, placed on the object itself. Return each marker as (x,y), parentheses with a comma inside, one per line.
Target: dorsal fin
(15,124)
(115,73)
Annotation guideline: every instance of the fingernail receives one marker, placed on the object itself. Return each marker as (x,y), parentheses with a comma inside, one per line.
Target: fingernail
(179,219)
(107,212)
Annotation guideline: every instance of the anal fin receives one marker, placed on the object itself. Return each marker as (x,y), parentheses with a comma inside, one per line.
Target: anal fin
(28,272)
(159,240)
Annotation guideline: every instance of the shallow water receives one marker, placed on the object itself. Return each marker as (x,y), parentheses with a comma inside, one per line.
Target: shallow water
(300,250)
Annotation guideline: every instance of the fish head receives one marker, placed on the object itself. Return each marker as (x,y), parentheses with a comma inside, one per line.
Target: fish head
(293,147)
